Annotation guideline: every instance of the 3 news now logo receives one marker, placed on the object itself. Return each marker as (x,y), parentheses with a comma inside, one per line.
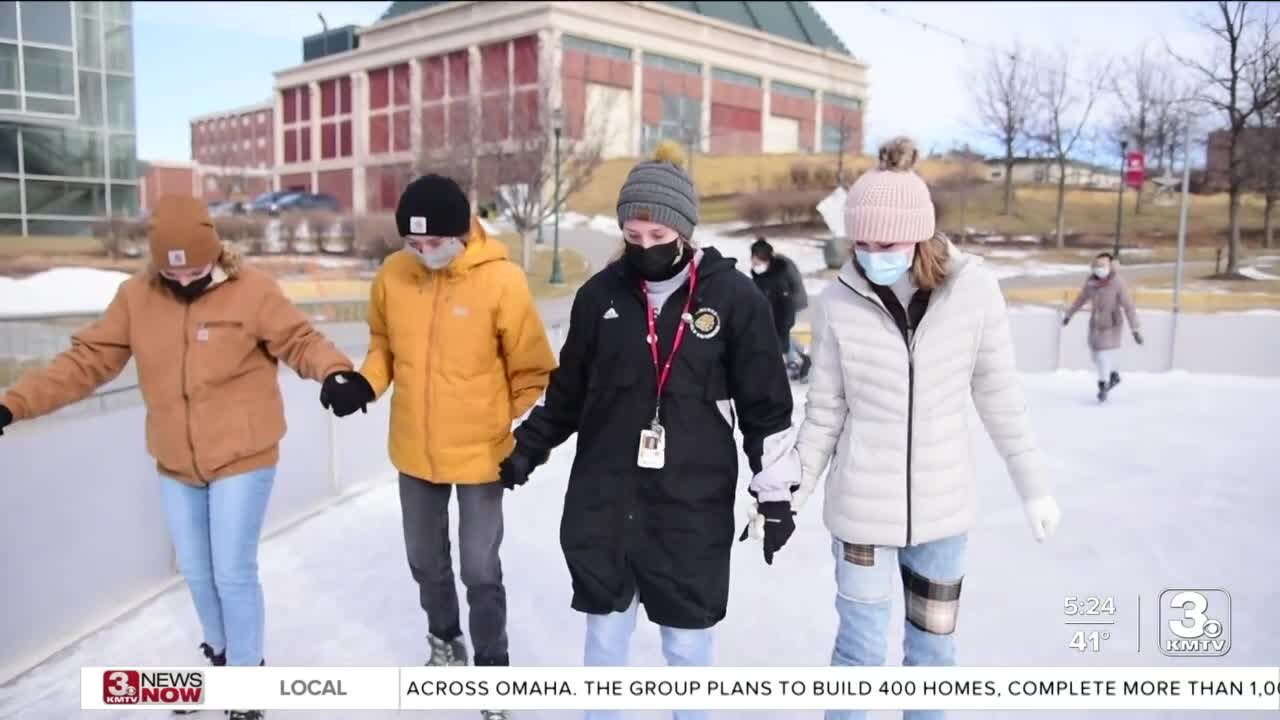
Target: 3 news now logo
(136,687)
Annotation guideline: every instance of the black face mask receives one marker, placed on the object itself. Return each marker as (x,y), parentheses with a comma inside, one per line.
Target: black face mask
(660,262)
(191,290)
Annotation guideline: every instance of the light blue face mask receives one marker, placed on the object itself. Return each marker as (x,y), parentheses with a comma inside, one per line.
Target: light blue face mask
(884,268)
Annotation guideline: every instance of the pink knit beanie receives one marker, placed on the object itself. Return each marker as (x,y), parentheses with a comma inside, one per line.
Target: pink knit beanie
(890,204)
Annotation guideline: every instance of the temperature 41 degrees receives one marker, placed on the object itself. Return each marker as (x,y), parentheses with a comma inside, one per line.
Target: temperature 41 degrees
(1090,641)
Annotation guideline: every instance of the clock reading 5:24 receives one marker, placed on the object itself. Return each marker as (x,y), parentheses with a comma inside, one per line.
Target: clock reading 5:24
(1089,606)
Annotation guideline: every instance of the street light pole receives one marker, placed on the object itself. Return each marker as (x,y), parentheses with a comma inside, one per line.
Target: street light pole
(1182,237)
(557,274)
(1124,151)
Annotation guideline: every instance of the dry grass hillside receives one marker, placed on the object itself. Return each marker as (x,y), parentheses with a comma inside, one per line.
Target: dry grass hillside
(720,179)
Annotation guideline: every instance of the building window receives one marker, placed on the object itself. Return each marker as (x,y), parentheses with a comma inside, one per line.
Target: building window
(296,123)
(64,197)
(663,62)
(389,116)
(120,102)
(736,78)
(262,118)
(48,23)
(842,101)
(446,100)
(681,121)
(88,36)
(335,118)
(783,88)
(62,152)
(92,102)
(595,47)
(262,141)
(835,139)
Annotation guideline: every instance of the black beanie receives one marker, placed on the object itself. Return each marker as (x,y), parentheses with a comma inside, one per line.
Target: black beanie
(433,205)
(761,248)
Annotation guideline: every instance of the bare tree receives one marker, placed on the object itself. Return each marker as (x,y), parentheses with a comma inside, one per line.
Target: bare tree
(229,173)
(1262,166)
(1139,87)
(526,165)
(1063,106)
(1236,82)
(1004,95)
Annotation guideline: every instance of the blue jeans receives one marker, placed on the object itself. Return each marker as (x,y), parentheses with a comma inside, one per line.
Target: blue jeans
(931,576)
(215,532)
(609,645)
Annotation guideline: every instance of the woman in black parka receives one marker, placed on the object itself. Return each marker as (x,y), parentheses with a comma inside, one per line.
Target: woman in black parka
(649,508)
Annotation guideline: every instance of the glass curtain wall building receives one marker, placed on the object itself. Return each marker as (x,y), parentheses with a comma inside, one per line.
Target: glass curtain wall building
(68,152)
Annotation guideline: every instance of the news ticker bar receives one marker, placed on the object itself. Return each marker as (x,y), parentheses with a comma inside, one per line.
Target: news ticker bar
(662,688)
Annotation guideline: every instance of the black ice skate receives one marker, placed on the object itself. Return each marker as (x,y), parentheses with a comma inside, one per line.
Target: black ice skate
(495,715)
(447,653)
(246,715)
(1114,381)
(806,363)
(218,660)
(1103,387)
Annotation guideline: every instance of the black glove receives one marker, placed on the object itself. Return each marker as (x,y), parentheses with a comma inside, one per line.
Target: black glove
(779,523)
(6,417)
(515,470)
(345,392)
(1137,337)
(1066,320)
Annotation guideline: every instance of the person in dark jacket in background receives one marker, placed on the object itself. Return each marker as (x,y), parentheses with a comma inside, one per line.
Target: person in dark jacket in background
(663,346)
(780,281)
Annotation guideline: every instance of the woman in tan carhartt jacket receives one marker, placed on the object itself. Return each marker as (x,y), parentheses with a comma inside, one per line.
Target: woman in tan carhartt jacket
(207,334)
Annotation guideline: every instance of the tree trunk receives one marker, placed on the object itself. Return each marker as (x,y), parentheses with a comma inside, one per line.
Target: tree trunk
(526,250)
(1233,246)
(1137,201)
(1008,186)
(1062,204)
(1268,227)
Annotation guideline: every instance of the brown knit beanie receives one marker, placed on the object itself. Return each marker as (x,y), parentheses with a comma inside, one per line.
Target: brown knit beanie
(182,234)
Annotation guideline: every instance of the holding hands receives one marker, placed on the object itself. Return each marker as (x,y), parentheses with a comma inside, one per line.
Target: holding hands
(345,392)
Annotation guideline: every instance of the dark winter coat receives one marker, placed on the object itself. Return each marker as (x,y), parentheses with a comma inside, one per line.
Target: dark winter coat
(783,285)
(665,534)
(1111,305)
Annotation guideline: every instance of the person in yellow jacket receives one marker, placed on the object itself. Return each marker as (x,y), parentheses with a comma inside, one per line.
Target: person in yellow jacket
(452,324)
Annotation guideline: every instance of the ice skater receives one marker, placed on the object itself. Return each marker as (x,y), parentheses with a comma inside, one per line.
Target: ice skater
(1111,305)
(453,327)
(912,329)
(659,344)
(207,333)
(777,276)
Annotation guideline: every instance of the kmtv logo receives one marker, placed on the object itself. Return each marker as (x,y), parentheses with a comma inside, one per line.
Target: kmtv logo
(133,687)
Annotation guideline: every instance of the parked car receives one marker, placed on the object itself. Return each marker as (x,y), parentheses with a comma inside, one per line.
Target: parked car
(267,203)
(223,208)
(304,202)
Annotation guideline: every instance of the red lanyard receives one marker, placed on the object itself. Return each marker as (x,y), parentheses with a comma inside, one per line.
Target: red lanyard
(665,373)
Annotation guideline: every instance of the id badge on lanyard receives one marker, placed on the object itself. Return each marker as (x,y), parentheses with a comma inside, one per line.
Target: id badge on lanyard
(652,454)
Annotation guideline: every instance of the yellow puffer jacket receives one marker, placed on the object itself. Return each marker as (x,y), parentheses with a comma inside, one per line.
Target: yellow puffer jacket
(468,354)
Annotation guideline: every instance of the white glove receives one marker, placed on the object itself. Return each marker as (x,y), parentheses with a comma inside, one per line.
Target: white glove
(801,495)
(1043,514)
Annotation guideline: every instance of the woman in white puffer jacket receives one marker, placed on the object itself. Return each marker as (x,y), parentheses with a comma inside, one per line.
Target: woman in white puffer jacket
(910,332)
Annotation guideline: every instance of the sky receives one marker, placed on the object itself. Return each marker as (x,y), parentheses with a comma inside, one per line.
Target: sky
(195,58)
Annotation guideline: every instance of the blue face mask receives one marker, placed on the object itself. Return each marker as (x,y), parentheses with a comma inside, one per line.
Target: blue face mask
(884,268)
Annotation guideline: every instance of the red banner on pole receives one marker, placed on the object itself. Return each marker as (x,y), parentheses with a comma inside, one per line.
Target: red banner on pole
(1135,169)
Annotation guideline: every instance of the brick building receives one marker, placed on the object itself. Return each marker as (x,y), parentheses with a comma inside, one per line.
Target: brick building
(1260,151)
(430,78)
(234,152)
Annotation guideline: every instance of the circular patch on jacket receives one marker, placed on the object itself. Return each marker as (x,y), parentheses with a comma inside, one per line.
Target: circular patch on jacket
(706,323)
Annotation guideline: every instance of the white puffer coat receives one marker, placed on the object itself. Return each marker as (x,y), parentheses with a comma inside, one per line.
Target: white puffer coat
(895,423)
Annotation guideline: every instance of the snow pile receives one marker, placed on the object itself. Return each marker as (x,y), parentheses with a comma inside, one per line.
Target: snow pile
(1129,476)
(1035,269)
(1258,274)
(337,263)
(606,225)
(61,290)
(569,219)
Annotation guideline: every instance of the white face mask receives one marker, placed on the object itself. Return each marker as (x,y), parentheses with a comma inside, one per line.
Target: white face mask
(440,256)
(1101,272)
(759,268)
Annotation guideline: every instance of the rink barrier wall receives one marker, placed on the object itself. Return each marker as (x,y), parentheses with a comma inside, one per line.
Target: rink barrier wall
(83,538)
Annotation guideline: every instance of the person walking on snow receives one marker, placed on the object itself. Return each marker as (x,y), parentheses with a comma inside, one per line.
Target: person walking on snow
(779,279)
(452,324)
(911,331)
(1111,306)
(207,334)
(666,347)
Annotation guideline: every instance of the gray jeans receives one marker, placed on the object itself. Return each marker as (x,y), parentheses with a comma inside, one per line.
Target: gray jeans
(424,508)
